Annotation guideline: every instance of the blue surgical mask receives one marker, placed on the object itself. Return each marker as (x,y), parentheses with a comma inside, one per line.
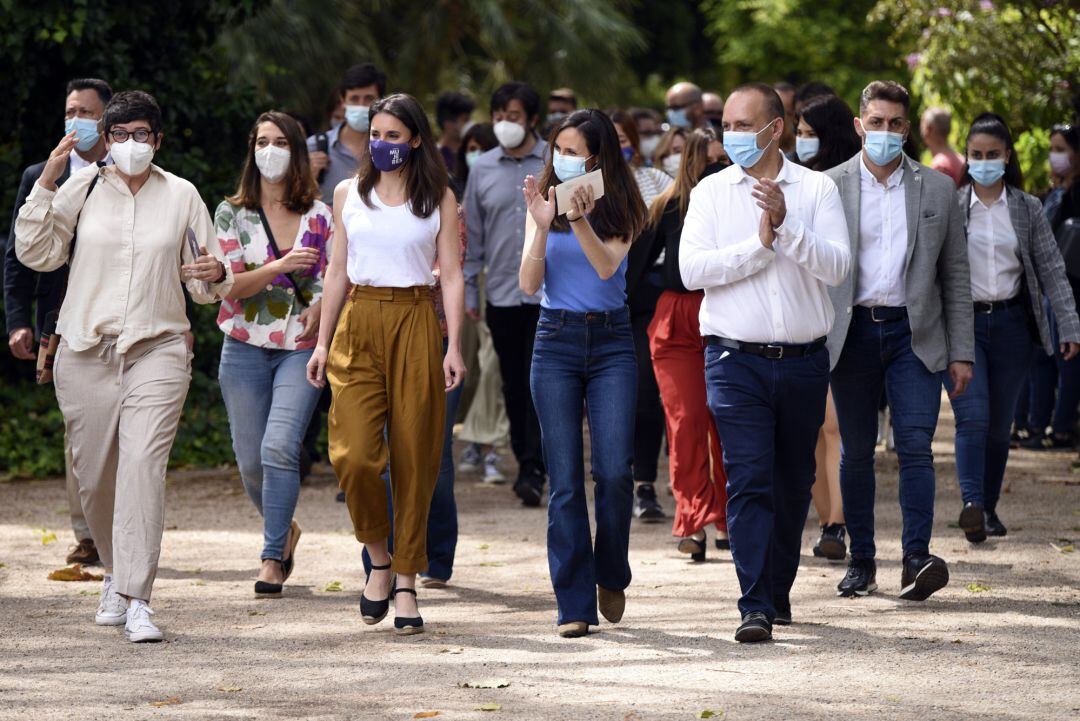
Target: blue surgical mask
(86,130)
(883,147)
(357,116)
(742,147)
(628,154)
(676,117)
(568,167)
(472,156)
(986,172)
(807,148)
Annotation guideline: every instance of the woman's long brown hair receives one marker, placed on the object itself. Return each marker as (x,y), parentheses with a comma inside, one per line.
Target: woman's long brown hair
(695,157)
(426,178)
(621,212)
(300,187)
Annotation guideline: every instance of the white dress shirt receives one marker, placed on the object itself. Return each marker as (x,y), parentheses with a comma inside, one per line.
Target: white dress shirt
(77,162)
(883,238)
(754,294)
(993,251)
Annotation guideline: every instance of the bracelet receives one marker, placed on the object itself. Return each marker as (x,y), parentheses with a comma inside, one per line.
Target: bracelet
(530,256)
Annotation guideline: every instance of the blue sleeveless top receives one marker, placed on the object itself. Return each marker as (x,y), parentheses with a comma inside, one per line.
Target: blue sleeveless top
(571,283)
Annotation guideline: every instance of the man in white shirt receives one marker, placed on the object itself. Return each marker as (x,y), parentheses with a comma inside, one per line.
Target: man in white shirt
(764,238)
(903,317)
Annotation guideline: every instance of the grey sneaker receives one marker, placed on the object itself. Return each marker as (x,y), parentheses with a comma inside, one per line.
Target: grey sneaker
(471,459)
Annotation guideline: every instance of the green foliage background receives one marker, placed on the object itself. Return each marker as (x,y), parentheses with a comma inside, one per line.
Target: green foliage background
(215,64)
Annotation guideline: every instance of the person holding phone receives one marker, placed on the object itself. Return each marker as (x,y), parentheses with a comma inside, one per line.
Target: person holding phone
(122,367)
(276,236)
(583,356)
(386,364)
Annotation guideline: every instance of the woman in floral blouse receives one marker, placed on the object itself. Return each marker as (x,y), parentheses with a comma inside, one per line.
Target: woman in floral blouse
(271,323)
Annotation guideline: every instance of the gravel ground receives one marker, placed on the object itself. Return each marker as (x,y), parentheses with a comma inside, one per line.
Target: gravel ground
(999,642)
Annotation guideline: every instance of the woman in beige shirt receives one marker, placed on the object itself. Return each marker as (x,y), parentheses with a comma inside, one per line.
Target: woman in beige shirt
(122,368)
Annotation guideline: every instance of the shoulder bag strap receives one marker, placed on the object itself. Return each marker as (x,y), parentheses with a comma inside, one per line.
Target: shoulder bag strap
(277,254)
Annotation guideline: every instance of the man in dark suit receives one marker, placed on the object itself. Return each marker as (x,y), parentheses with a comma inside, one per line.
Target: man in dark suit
(24,288)
(903,316)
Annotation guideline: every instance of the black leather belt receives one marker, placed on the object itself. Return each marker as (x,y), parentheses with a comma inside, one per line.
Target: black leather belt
(990,307)
(772,351)
(881,313)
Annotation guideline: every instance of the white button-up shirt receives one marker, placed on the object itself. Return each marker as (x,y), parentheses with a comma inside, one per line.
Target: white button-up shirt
(754,294)
(993,251)
(882,240)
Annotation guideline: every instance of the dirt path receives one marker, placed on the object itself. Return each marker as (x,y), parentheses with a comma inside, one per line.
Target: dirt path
(1006,652)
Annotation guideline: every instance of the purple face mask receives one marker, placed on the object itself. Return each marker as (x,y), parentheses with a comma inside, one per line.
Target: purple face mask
(388,156)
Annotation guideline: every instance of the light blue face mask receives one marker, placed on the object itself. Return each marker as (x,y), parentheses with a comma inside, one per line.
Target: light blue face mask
(357,117)
(986,172)
(882,146)
(472,156)
(86,130)
(568,167)
(676,118)
(807,148)
(742,147)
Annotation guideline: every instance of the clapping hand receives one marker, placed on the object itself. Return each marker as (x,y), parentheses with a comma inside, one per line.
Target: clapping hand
(57,162)
(542,210)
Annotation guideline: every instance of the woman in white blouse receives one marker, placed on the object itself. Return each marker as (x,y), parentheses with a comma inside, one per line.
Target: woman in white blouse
(122,367)
(1014,262)
(276,235)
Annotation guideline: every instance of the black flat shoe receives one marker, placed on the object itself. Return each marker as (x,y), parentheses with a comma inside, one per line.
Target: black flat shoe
(408,626)
(694,547)
(294,538)
(754,629)
(973,522)
(265,589)
(375,611)
(783,612)
(723,544)
(994,526)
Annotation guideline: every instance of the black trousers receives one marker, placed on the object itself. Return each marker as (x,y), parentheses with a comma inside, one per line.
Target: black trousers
(513,330)
(649,415)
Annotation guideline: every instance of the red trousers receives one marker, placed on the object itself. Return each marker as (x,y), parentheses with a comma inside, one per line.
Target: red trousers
(697,470)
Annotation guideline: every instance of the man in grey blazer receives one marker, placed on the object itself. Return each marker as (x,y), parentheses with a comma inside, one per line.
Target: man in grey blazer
(903,315)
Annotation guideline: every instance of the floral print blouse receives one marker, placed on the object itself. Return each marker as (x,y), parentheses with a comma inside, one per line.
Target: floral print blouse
(271,317)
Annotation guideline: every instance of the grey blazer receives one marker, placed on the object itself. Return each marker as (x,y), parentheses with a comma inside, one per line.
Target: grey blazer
(1044,270)
(937,277)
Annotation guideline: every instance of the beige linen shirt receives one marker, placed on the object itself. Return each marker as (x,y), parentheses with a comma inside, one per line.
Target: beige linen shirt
(125,274)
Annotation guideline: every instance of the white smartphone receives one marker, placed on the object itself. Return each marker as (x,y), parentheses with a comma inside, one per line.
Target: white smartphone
(564,191)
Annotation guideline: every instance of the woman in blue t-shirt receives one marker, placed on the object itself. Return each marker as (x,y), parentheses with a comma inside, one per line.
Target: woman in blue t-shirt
(583,358)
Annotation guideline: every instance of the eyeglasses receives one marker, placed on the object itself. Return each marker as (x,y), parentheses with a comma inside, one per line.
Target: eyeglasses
(119,135)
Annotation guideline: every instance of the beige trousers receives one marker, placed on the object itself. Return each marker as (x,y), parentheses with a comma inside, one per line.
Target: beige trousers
(121,414)
(486,422)
(78,519)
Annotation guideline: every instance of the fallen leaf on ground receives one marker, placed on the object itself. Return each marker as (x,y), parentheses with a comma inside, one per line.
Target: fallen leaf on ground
(256,613)
(484,546)
(198,582)
(452,650)
(332,587)
(489,707)
(492,564)
(87,592)
(74,572)
(46,536)
(426,714)
(1063,545)
(229,689)
(166,702)
(3,565)
(487,683)
(977,587)
(709,713)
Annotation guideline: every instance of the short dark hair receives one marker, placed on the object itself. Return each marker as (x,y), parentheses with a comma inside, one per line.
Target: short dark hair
(888,90)
(529,98)
(784,87)
(833,123)
(813,89)
(130,105)
(773,104)
(449,106)
(995,126)
(361,76)
(99,86)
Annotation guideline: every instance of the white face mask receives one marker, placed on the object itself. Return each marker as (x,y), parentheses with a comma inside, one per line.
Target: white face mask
(1059,163)
(273,162)
(649,145)
(671,165)
(132,157)
(509,134)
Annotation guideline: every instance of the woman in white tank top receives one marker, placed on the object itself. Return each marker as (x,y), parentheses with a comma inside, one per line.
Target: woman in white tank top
(386,365)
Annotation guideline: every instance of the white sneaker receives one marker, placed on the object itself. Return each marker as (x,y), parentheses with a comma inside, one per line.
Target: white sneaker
(470,459)
(139,628)
(113,608)
(492,474)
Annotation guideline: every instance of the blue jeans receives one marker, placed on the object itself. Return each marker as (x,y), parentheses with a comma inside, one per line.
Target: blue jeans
(876,356)
(269,402)
(586,360)
(1035,406)
(1004,348)
(442,530)
(768,414)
